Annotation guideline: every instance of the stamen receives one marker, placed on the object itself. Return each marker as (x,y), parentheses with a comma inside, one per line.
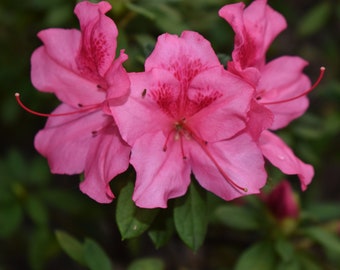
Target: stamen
(181,143)
(165,146)
(83,109)
(322,71)
(203,145)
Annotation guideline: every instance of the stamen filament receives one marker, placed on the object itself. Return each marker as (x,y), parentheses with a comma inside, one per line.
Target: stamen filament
(83,109)
(203,145)
(182,148)
(322,71)
(165,146)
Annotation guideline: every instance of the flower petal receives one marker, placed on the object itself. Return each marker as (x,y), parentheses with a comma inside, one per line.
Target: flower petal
(282,79)
(99,39)
(225,116)
(65,141)
(240,159)
(282,157)
(141,114)
(174,53)
(160,175)
(255,27)
(107,157)
(48,75)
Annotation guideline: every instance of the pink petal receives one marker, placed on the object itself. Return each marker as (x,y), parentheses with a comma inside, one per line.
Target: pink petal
(62,46)
(107,157)
(225,116)
(118,81)
(173,53)
(282,157)
(282,79)
(255,27)
(65,141)
(160,175)
(147,116)
(241,161)
(259,118)
(99,36)
(49,75)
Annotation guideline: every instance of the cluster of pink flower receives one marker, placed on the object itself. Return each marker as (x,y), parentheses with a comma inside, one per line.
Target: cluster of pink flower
(186,113)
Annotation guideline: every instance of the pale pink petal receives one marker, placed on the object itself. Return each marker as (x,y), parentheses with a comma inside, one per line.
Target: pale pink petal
(283,79)
(259,118)
(48,75)
(141,114)
(65,140)
(282,157)
(226,115)
(255,27)
(62,46)
(240,159)
(118,81)
(107,157)
(190,51)
(160,175)
(99,37)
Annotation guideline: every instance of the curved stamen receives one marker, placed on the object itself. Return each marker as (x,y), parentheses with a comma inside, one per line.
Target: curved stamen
(165,146)
(86,108)
(203,145)
(322,71)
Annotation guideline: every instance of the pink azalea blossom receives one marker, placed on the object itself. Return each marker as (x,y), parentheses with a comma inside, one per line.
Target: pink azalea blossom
(280,85)
(189,116)
(80,68)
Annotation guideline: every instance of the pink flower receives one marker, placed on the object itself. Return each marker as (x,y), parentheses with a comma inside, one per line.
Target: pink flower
(80,68)
(189,116)
(282,202)
(280,85)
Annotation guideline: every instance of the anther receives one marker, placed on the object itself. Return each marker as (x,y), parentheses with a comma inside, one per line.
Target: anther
(322,71)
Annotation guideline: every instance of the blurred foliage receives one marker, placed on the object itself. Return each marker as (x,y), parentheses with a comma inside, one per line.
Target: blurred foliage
(40,212)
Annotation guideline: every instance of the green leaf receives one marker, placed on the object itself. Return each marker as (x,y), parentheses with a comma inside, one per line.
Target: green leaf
(140,10)
(40,247)
(324,211)
(292,265)
(132,221)
(307,263)
(37,211)
(237,217)
(11,216)
(95,257)
(285,249)
(326,239)
(147,264)
(71,246)
(190,216)
(162,229)
(315,19)
(260,256)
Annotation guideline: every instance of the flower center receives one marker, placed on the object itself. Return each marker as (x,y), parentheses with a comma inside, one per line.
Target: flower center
(180,131)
